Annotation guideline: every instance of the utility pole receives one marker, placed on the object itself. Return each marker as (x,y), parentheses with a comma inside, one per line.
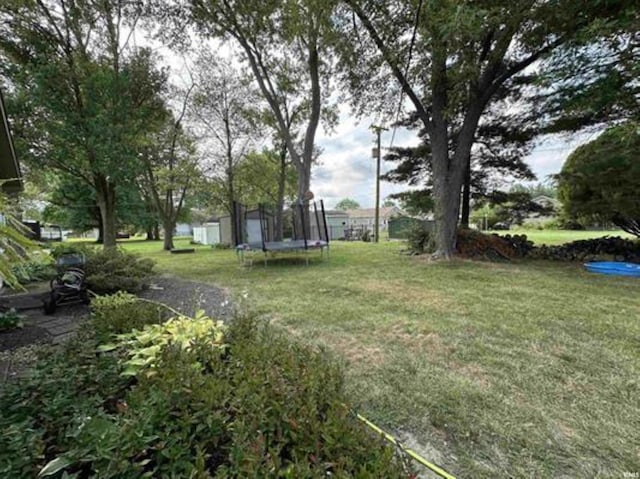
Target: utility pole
(377,155)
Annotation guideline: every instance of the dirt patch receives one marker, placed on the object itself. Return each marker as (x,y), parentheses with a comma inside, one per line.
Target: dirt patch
(354,350)
(349,347)
(416,337)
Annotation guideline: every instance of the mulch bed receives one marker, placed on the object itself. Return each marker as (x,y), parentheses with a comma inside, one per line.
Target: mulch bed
(190,296)
(24,336)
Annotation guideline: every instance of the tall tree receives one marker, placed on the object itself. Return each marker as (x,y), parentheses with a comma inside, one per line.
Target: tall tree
(280,40)
(260,179)
(170,169)
(463,54)
(498,154)
(88,93)
(72,204)
(223,114)
(591,82)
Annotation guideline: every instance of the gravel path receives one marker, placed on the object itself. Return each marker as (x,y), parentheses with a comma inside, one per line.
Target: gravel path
(190,296)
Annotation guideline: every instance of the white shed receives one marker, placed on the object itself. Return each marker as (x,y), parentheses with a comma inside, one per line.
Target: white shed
(209,233)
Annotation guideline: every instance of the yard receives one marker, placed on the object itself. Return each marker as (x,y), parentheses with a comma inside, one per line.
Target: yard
(493,370)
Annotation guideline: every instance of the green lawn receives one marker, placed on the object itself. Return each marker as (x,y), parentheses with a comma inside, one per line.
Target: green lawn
(494,370)
(555,237)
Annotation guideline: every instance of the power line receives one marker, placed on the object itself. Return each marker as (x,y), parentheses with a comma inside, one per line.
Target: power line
(406,72)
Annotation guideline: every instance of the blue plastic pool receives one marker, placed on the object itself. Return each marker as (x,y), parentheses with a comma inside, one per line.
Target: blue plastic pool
(613,267)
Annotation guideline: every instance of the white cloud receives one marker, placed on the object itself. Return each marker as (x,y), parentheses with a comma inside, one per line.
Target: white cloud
(347,168)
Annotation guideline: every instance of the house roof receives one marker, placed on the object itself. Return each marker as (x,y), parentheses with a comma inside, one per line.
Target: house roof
(385,212)
(335,213)
(9,166)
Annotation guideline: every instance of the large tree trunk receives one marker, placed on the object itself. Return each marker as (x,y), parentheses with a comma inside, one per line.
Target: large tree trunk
(446,212)
(149,232)
(447,183)
(156,232)
(106,198)
(100,239)
(304,183)
(282,180)
(449,170)
(168,226)
(466,197)
(231,194)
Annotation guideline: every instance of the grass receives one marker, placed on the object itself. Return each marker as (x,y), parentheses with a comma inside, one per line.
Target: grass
(556,237)
(494,370)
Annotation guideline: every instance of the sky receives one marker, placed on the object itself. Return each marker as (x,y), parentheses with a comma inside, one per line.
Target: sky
(348,170)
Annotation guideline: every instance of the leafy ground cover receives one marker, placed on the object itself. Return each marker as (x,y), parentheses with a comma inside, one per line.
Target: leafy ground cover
(189,397)
(523,369)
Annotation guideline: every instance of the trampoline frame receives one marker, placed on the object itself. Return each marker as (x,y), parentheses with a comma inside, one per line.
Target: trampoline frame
(246,251)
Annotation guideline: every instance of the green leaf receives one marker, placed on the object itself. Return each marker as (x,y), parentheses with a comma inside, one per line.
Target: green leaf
(103,348)
(56,465)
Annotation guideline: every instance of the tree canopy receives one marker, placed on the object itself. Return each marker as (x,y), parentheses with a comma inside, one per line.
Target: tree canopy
(347,204)
(451,59)
(86,94)
(600,180)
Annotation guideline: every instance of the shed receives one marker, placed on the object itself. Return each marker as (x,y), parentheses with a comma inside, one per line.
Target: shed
(251,225)
(400,226)
(208,234)
(337,223)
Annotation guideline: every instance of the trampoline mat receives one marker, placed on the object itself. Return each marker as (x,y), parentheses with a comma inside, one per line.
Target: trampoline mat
(293,245)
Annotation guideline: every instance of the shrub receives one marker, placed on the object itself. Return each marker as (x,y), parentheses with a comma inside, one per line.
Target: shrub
(41,412)
(110,270)
(420,239)
(143,348)
(267,407)
(115,269)
(37,269)
(10,320)
(121,312)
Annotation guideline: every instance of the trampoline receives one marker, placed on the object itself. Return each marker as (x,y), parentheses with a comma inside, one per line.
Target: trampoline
(309,227)
(614,268)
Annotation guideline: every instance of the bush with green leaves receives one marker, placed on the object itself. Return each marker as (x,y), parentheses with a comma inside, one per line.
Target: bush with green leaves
(262,406)
(10,320)
(122,312)
(143,348)
(39,268)
(110,270)
(420,239)
(14,242)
